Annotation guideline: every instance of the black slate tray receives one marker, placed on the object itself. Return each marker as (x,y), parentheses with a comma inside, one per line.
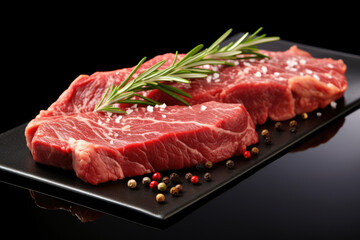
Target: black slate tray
(17,166)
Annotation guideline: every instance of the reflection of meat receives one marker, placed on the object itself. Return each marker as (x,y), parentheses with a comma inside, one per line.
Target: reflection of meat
(322,137)
(82,213)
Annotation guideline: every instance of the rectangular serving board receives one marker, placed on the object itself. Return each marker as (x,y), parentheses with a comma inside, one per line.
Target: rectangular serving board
(17,166)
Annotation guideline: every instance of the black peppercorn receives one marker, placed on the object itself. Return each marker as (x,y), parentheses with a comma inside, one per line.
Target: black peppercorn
(230,164)
(208,164)
(255,151)
(166,180)
(146,181)
(293,123)
(292,129)
(268,140)
(207,177)
(175,178)
(265,133)
(278,126)
(174,191)
(188,176)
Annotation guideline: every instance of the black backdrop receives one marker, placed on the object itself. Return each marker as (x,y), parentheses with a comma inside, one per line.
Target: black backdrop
(47,46)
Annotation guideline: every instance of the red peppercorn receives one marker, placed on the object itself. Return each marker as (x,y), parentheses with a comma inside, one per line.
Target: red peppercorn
(247,154)
(153,185)
(156,176)
(194,179)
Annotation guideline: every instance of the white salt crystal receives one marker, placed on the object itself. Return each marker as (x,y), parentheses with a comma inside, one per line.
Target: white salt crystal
(333,104)
(302,61)
(128,111)
(318,114)
(276,74)
(264,69)
(111,142)
(150,108)
(163,115)
(257,74)
(203,108)
(117,120)
(316,77)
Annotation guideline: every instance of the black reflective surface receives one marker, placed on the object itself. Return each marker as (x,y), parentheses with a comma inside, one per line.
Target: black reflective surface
(311,192)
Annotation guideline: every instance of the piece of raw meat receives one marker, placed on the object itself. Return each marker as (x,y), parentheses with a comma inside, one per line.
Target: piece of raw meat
(103,147)
(289,83)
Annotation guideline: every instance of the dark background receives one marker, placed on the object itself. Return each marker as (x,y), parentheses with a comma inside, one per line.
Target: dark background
(47,46)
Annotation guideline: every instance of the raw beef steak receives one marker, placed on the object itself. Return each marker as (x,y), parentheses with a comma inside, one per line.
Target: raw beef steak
(289,83)
(101,147)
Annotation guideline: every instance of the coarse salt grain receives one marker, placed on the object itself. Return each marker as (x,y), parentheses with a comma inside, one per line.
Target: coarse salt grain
(216,75)
(117,120)
(203,108)
(316,77)
(208,79)
(330,65)
(264,69)
(150,108)
(163,115)
(257,74)
(276,74)
(302,61)
(128,111)
(333,104)
(111,142)
(318,114)
(308,71)
(99,122)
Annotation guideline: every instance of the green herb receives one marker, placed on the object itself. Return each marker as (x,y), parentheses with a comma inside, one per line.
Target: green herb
(181,71)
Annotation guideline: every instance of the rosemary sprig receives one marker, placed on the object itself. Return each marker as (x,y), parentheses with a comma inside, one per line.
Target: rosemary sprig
(181,71)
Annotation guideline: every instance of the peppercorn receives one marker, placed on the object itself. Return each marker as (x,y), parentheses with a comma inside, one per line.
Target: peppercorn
(267,140)
(188,176)
(247,154)
(132,183)
(160,197)
(208,164)
(207,177)
(304,116)
(293,123)
(174,191)
(153,185)
(179,186)
(255,151)
(230,164)
(292,129)
(156,176)
(166,180)
(161,187)
(175,178)
(265,133)
(146,181)
(278,126)
(200,167)
(194,179)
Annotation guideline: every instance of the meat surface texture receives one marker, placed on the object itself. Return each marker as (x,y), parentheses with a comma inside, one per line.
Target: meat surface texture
(102,147)
(289,83)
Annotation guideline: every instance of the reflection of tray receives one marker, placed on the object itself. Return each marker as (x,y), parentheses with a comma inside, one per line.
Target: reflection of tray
(116,198)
